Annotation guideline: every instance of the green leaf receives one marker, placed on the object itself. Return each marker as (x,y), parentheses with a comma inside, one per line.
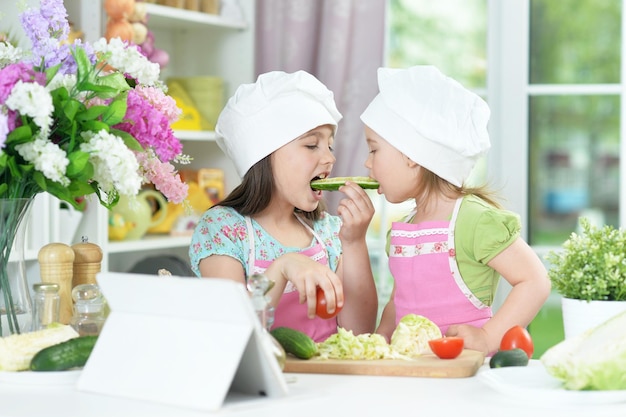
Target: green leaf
(129,140)
(70,108)
(115,112)
(51,72)
(78,162)
(115,81)
(83,65)
(91,113)
(19,135)
(40,180)
(14,169)
(95,126)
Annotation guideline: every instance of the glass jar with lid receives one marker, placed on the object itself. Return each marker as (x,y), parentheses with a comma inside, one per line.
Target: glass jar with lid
(46,305)
(89,305)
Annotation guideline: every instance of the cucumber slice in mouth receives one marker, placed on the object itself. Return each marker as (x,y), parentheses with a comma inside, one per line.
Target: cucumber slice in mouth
(333,183)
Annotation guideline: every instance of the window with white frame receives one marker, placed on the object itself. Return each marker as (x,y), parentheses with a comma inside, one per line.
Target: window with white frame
(552,74)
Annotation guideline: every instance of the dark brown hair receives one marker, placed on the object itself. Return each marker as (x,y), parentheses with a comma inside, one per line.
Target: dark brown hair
(255,192)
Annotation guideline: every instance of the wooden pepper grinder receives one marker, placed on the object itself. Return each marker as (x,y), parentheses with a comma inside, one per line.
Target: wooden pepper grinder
(87,262)
(56,265)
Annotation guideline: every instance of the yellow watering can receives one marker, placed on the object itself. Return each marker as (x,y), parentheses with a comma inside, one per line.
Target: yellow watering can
(138,210)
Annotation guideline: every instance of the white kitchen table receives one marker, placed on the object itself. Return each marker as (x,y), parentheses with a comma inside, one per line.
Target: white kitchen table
(317,395)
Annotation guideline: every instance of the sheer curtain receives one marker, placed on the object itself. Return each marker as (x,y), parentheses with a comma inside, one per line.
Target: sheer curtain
(341,42)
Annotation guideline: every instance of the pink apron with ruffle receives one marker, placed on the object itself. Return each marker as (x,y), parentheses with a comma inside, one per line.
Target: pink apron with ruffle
(289,312)
(427,279)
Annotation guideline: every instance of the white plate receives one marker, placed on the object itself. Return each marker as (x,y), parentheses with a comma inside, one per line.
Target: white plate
(40,378)
(534,382)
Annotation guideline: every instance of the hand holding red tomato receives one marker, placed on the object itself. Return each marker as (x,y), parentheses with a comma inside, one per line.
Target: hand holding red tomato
(518,337)
(320,307)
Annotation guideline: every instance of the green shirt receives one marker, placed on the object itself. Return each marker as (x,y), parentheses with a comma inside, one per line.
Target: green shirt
(482,232)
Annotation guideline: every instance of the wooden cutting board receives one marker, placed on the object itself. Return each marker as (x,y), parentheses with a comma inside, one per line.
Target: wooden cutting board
(465,365)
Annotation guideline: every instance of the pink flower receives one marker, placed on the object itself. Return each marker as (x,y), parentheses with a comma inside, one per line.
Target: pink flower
(164,177)
(150,127)
(13,73)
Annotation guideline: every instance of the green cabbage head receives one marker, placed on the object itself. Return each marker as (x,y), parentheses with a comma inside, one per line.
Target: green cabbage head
(593,360)
(412,335)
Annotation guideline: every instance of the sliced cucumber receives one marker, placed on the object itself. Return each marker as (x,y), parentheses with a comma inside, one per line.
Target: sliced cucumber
(333,183)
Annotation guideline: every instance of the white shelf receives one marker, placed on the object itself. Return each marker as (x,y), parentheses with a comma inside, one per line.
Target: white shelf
(196,135)
(176,18)
(148,242)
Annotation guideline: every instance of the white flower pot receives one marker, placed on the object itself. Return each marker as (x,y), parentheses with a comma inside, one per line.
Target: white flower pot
(581,315)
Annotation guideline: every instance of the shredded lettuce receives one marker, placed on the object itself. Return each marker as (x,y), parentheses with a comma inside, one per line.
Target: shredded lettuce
(411,339)
(345,345)
(593,360)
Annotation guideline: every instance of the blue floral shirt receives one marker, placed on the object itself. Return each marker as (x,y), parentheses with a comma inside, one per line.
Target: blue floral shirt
(223,231)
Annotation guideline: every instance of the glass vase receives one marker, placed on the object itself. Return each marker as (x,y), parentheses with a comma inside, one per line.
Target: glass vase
(15,302)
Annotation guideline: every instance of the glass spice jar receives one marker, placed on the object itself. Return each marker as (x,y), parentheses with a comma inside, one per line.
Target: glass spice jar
(46,305)
(89,309)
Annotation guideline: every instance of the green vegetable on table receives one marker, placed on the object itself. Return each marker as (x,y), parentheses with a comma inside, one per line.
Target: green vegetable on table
(510,357)
(295,342)
(70,354)
(593,360)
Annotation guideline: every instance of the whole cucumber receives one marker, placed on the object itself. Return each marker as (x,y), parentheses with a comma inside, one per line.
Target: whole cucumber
(72,353)
(295,342)
(511,357)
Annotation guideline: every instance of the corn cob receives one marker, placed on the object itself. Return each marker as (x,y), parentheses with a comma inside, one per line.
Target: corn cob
(17,350)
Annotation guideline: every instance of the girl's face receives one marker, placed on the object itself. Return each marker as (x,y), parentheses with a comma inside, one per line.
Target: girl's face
(302,160)
(396,173)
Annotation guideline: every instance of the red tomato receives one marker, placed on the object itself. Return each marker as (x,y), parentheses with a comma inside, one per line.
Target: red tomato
(320,308)
(518,337)
(447,347)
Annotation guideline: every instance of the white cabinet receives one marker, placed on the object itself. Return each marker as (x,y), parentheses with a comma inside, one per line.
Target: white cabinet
(198,44)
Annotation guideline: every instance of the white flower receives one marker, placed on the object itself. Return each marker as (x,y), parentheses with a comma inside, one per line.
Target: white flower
(127,59)
(32,99)
(47,158)
(9,54)
(116,167)
(4,129)
(62,80)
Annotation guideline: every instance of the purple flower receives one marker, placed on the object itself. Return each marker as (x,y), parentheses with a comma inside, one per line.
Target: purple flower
(47,28)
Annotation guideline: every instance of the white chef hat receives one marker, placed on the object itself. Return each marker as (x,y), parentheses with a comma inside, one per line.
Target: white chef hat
(263,116)
(430,118)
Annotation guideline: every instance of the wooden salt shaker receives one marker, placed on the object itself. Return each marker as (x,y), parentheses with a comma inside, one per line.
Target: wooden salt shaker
(56,265)
(87,262)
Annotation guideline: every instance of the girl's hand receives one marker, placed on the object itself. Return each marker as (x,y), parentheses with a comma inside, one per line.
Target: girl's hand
(306,275)
(356,213)
(474,338)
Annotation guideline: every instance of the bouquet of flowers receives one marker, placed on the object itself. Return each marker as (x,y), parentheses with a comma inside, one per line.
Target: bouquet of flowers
(78,119)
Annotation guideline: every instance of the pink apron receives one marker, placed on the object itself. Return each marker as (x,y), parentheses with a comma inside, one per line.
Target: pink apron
(427,278)
(289,312)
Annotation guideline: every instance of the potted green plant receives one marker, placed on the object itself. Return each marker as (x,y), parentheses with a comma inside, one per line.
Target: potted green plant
(590,274)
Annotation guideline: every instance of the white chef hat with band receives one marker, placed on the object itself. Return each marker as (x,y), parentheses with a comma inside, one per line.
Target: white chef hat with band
(263,116)
(430,118)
